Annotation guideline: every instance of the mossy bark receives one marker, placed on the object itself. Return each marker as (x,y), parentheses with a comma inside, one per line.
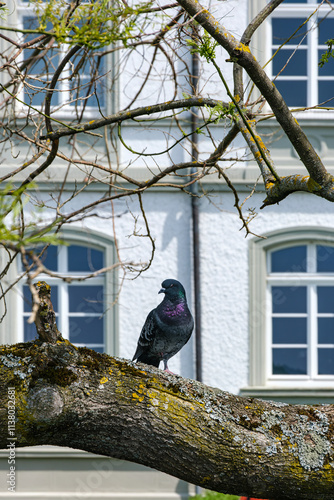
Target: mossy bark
(74,397)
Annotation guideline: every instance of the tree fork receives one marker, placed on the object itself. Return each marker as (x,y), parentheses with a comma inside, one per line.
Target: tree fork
(68,396)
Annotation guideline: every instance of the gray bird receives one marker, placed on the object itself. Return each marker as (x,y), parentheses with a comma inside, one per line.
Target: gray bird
(167,328)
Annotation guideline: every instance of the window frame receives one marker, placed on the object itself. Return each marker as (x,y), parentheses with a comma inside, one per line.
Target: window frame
(15,303)
(261,46)
(260,381)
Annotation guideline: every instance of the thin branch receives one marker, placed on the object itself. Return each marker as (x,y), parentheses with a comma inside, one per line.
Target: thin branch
(258,20)
(237,205)
(134,113)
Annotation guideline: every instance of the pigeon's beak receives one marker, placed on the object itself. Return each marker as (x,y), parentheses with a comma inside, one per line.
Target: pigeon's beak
(163,290)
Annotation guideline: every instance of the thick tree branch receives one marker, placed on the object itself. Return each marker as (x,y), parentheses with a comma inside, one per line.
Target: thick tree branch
(74,397)
(276,192)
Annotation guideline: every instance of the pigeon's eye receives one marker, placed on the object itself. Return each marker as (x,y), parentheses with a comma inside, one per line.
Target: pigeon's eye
(170,286)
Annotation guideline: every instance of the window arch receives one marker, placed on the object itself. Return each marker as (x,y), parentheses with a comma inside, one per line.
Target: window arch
(292,310)
(84,308)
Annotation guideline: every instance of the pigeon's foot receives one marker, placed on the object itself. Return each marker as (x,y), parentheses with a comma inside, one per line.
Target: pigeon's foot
(168,371)
(165,361)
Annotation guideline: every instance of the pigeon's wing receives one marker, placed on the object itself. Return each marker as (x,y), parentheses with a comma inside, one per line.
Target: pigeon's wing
(146,336)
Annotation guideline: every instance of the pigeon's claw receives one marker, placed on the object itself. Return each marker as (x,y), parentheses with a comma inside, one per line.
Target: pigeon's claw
(166,369)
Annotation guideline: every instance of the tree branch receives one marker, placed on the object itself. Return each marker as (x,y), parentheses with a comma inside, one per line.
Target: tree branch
(134,113)
(276,192)
(74,397)
(258,20)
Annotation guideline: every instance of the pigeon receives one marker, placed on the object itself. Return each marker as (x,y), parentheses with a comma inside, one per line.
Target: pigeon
(167,328)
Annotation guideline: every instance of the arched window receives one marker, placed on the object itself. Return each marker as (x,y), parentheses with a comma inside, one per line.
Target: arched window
(85,311)
(292,310)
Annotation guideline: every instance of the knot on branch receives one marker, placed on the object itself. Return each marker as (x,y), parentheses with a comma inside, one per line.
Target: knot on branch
(45,403)
(45,319)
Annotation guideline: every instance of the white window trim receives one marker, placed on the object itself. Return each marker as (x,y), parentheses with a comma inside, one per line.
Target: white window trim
(12,322)
(259,383)
(261,46)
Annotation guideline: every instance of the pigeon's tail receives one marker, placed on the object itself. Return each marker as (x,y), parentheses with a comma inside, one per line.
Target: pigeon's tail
(146,358)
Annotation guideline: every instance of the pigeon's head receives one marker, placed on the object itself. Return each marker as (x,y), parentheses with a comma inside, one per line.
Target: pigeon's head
(173,290)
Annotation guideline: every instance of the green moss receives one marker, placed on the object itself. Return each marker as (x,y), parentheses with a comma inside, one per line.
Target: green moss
(94,360)
(58,375)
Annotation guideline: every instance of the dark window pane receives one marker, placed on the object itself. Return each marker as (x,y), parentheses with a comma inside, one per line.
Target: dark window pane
(296,1)
(294,92)
(87,64)
(30,23)
(326,330)
(283,28)
(286,299)
(84,259)
(328,68)
(289,260)
(326,91)
(325,259)
(85,82)
(289,361)
(97,349)
(86,330)
(297,65)
(42,67)
(326,361)
(27,300)
(326,30)
(289,331)
(30,332)
(325,299)
(82,89)
(86,299)
(35,93)
(49,258)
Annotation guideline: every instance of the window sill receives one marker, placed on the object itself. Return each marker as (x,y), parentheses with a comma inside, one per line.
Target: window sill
(49,452)
(291,394)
